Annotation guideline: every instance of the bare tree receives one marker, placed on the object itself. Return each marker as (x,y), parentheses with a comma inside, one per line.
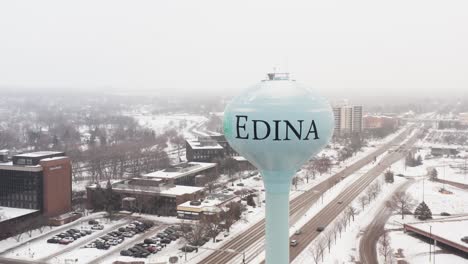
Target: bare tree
(402,203)
(193,234)
(351,211)
(295,181)
(212,225)
(339,226)
(329,238)
(315,253)
(363,201)
(321,245)
(385,248)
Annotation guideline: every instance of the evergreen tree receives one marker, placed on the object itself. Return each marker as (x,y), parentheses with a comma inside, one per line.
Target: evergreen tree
(389,177)
(409,160)
(418,160)
(250,201)
(433,175)
(422,212)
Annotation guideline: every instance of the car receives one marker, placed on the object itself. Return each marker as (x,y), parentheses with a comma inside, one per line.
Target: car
(149,241)
(66,240)
(53,240)
(293,243)
(126,253)
(340,202)
(240,184)
(465,239)
(444,214)
(83,233)
(320,229)
(62,235)
(298,232)
(188,248)
(97,227)
(103,246)
(93,222)
(166,241)
(127,234)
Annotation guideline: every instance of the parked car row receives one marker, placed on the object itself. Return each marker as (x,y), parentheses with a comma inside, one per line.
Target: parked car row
(68,236)
(117,236)
(153,244)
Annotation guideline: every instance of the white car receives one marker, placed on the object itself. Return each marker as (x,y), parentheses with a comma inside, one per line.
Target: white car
(293,243)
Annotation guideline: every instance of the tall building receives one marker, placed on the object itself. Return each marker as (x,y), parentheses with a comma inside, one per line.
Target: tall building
(463,117)
(37,180)
(348,119)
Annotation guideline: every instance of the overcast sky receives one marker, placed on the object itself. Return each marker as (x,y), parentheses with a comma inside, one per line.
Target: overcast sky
(339,47)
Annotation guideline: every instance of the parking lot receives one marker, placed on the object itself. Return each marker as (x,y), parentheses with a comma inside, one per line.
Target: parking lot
(55,243)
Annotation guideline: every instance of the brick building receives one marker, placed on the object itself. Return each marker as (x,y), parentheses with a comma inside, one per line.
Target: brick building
(37,180)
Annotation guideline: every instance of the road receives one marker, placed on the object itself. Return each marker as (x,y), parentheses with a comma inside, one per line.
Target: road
(256,232)
(372,233)
(345,198)
(454,184)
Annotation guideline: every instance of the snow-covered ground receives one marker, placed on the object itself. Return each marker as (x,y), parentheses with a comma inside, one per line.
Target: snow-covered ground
(414,249)
(39,248)
(11,242)
(183,123)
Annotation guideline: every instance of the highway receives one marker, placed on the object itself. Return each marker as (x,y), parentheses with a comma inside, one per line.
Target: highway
(302,202)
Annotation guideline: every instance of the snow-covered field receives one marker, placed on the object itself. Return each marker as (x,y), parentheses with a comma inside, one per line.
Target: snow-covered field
(183,123)
(414,249)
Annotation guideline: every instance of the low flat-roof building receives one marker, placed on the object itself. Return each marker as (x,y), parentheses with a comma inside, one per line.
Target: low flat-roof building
(186,173)
(212,204)
(444,151)
(152,195)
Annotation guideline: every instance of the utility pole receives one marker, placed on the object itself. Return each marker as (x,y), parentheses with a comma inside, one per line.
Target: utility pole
(423,188)
(430,243)
(464,169)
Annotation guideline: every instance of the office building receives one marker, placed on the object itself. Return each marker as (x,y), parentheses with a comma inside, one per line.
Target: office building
(348,119)
(37,181)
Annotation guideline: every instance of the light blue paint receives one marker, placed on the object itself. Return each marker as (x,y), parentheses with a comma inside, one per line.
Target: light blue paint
(278,99)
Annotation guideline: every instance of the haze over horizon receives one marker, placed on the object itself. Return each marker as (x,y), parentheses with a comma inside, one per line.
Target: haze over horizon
(348,49)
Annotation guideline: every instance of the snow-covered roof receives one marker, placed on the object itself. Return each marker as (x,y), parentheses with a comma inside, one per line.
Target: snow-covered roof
(208,204)
(196,144)
(239,158)
(11,212)
(38,154)
(164,190)
(194,167)
(181,190)
(54,158)
(9,166)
